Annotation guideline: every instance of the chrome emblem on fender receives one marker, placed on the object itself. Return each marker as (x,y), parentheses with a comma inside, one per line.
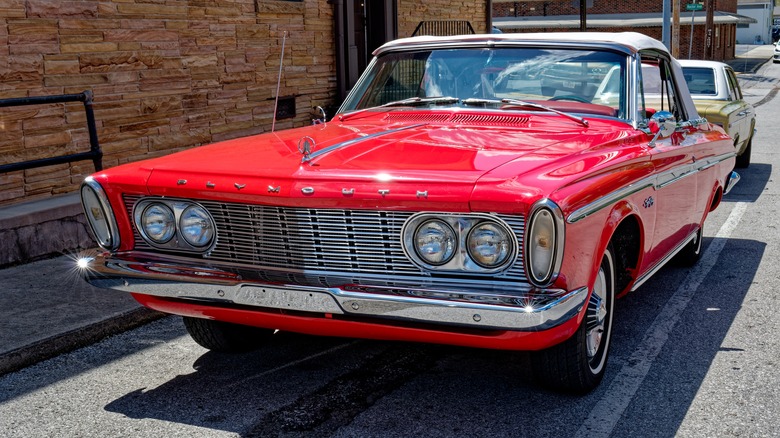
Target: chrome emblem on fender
(305,145)
(648,202)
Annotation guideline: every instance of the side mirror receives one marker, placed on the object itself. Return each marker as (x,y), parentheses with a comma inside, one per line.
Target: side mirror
(318,115)
(662,124)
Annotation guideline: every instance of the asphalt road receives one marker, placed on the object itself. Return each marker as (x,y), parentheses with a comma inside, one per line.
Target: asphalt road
(695,354)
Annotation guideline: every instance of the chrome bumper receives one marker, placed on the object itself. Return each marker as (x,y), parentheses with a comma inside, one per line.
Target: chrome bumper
(733,179)
(526,310)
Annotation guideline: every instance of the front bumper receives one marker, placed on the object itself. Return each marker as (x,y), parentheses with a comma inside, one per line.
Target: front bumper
(523,309)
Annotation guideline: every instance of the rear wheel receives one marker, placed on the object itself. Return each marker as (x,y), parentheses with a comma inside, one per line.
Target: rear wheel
(225,337)
(691,253)
(577,365)
(743,160)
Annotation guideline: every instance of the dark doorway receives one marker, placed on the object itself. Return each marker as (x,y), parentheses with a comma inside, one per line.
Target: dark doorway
(361,27)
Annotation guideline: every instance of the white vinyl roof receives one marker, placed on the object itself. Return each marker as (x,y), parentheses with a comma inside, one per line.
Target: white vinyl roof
(651,19)
(632,41)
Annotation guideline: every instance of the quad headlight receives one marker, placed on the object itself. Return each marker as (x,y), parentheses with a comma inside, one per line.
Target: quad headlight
(196,226)
(435,242)
(158,223)
(174,224)
(489,244)
(99,215)
(472,243)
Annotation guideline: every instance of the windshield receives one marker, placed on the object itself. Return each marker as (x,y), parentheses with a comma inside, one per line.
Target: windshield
(583,81)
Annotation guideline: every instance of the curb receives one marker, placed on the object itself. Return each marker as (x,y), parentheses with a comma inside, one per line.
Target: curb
(39,351)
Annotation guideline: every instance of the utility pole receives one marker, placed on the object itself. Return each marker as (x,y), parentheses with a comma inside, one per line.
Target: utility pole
(667,6)
(676,28)
(709,30)
(583,15)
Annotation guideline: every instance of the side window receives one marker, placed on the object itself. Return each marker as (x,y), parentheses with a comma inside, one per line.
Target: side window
(734,92)
(658,90)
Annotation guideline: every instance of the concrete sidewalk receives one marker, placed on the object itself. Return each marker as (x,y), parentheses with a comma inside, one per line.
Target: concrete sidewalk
(47,309)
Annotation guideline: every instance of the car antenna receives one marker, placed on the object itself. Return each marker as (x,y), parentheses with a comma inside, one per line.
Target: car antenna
(278,81)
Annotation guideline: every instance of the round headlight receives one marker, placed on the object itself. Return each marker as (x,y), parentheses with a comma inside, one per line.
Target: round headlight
(158,223)
(99,219)
(196,226)
(489,245)
(541,245)
(435,242)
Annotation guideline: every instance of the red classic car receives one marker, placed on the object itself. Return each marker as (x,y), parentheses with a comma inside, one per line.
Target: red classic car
(450,200)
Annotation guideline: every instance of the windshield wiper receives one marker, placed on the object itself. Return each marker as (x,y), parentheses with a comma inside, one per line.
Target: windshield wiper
(412,101)
(522,103)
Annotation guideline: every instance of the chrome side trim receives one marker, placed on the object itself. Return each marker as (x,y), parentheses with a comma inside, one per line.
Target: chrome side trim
(646,276)
(610,199)
(530,310)
(656,181)
(314,155)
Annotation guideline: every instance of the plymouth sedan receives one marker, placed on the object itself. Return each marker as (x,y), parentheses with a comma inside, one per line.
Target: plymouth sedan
(716,93)
(450,200)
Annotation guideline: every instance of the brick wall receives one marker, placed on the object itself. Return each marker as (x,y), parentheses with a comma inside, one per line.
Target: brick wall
(166,75)
(520,9)
(412,12)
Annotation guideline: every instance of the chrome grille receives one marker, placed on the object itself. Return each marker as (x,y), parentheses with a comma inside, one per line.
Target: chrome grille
(326,241)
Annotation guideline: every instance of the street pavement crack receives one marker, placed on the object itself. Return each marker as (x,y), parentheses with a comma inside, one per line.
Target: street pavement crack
(341,400)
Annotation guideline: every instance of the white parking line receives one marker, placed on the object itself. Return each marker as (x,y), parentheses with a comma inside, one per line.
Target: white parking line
(605,415)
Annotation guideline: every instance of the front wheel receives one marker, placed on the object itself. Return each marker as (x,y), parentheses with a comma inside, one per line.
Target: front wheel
(225,337)
(577,365)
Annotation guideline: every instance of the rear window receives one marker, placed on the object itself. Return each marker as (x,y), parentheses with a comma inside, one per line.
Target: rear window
(701,80)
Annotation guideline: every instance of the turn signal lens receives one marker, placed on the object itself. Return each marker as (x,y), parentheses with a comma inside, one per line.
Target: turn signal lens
(541,245)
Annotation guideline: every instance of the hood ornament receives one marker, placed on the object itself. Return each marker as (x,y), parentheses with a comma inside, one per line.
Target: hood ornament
(305,145)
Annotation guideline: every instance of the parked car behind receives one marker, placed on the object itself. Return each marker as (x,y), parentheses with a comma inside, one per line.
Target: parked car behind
(450,200)
(718,97)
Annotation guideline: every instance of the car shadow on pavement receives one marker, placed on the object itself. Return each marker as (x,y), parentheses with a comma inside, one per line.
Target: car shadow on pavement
(323,386)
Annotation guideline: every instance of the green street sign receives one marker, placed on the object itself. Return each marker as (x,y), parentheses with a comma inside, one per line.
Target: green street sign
(694,7)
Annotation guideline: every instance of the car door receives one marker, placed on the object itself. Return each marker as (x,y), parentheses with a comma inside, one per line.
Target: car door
(673,157)
(741,111)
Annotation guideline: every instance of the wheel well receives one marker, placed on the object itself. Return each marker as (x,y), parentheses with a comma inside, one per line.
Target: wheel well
(627,244)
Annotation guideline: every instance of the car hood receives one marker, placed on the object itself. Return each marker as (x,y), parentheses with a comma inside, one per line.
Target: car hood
(364,157)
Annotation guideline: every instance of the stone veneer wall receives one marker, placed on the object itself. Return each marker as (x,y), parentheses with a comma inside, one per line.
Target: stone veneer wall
(166,75)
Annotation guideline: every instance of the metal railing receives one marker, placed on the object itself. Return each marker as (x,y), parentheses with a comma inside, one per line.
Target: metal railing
(443,28)
(95,153)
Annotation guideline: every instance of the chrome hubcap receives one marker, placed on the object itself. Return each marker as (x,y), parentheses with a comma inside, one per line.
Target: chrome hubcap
(596,316)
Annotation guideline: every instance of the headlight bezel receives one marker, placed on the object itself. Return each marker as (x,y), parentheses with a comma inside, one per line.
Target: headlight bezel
(557,244)
(177,242)
(461,224)
(111,239)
